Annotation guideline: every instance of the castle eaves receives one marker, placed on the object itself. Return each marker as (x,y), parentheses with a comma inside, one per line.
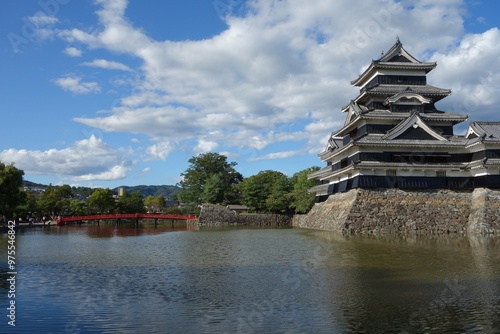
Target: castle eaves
(425,90)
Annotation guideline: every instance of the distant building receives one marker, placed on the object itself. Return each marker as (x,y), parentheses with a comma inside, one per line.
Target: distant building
(35,190)
(238,208)
(171,204)
(395,137)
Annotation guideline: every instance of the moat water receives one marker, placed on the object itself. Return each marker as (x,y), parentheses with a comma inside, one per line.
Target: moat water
(108,279)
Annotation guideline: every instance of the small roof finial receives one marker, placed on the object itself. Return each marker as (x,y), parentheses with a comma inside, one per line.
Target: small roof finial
(397,39)
(382,53)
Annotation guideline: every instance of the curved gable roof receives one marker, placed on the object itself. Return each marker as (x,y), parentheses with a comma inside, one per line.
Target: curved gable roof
(412,121)
(406,95)
(396,57)
(484,130)
(398,53)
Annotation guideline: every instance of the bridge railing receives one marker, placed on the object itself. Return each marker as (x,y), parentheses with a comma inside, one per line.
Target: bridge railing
(63,220)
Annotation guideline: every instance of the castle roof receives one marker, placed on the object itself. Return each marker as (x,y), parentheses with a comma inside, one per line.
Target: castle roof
(424,90)
(378,140)
(435,116)
(413,121)
(396,58)
(486,131)
(383,114)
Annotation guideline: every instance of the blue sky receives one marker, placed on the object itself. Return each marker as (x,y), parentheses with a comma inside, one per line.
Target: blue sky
(114,92)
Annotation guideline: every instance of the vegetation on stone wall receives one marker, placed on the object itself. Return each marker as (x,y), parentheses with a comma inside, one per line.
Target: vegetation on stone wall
(211,179)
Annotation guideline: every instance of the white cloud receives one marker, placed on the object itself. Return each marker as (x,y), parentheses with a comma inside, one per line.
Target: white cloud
(119,34)
(160,150)
(40,26)
(144,171)
(205,146)
(280,73)
(469,70)
(73,52)
(319,133)
(115,173)
(87,159)
(108,65)
(74,84)
(229,155)
(277,155)
(41,19)
(157,122)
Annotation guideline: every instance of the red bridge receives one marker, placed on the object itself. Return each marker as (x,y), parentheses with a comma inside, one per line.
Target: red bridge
(118,216)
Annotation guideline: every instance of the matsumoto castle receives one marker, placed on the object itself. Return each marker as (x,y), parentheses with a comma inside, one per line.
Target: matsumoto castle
(395,137)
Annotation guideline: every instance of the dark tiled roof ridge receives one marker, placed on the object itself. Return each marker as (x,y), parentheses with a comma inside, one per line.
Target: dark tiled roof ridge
(420,89)
(435,113)
(403,64)
(487,122)
(409,87)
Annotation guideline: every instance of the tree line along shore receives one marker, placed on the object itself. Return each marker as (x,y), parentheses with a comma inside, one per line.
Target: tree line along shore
(209,179)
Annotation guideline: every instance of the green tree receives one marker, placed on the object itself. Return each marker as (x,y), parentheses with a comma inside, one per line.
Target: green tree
(257,189)
(77,208)
(101,201)
(82,192)
(213,190)
(131,203)
(55,200)
(301,200)
(11,180)
(155,203)
(161,202)
(278,199)
(29,206)
(200,170)
(150,203)
(32,202)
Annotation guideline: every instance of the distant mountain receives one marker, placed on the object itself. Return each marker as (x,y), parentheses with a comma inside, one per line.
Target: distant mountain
(167,191)
(30,184)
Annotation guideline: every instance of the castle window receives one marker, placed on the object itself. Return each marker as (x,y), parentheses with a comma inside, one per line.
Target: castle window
(406,108)
(421,158)
(401,80)
(343,163)
(391,173)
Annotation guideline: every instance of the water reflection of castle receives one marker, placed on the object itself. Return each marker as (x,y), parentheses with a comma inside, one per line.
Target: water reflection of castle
(395,137)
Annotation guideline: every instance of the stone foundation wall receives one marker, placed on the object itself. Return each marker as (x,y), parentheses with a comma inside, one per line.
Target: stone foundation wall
(397,211)
(213,215)
(485,212)
(492,212)
(330,215)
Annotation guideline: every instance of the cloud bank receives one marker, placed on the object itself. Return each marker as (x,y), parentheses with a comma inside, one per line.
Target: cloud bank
(279,73)
(87,159)
(284,62)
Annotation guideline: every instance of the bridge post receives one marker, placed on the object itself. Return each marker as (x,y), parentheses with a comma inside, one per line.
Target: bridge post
(156,222)
(137,222)
(118,221)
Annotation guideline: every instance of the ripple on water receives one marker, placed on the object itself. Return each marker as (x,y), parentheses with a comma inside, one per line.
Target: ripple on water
(252,280)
